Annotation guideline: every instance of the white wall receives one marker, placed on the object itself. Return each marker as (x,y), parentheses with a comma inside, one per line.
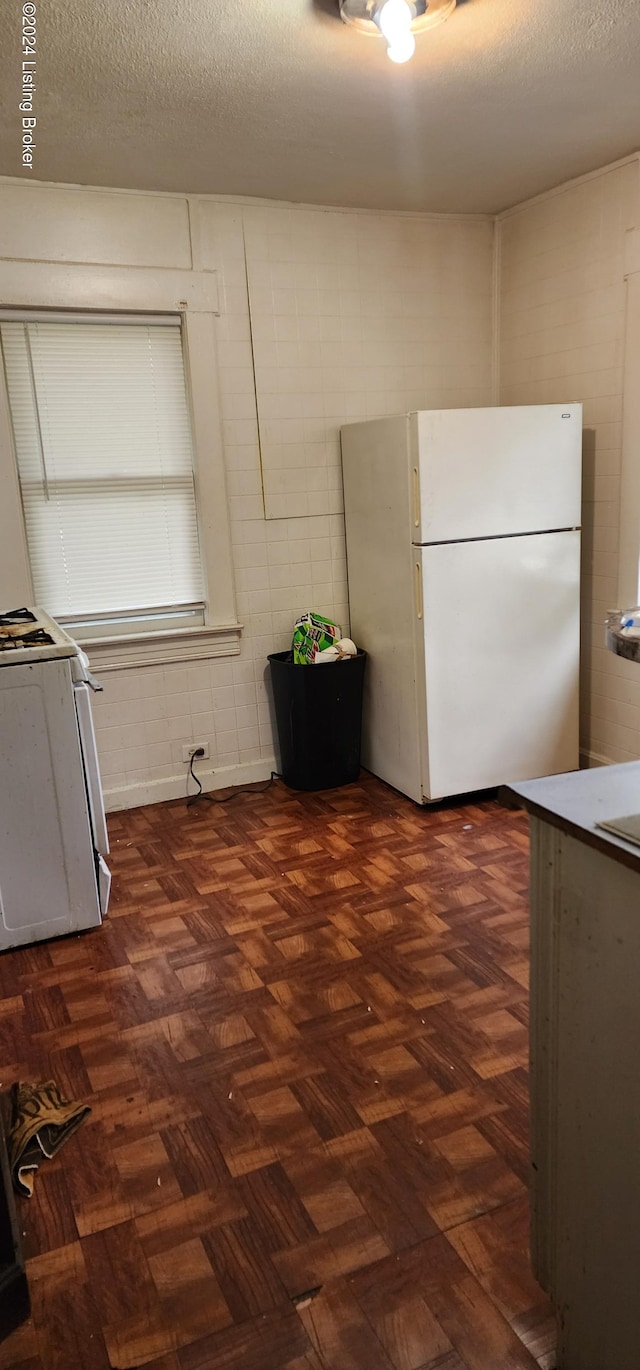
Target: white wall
(562,336)
(356,315)
(353,315)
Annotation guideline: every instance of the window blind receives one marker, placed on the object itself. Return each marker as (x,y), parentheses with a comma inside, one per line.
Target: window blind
(105,461)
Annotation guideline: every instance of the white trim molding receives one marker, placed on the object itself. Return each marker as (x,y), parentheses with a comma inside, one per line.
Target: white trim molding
(632,251)
(194,295)
(629,548)
(589,759)
(496,311)
(73,285)
(567,185)
(162,649)
(175,787)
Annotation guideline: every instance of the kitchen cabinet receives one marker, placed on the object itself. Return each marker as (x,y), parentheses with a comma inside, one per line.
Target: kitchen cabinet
(585,1062)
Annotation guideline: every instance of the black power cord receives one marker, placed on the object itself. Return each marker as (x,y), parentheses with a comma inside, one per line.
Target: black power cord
(211,798)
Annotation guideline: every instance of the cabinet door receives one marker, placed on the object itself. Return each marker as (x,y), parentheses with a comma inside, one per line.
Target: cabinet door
(585,1092)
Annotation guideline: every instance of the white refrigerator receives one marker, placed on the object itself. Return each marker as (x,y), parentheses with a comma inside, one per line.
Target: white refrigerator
(463,555)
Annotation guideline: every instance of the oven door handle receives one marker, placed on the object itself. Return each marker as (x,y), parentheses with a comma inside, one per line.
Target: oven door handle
(91,765)
(92,682)
(85,672)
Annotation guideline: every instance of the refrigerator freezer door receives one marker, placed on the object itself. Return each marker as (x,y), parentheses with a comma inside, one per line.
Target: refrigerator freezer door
(500,637)
(480,473)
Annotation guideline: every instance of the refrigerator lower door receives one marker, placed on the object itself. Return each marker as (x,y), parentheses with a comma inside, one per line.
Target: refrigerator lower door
(500,634)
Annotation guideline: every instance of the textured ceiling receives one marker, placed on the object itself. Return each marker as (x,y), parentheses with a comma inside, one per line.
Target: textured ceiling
(278,98)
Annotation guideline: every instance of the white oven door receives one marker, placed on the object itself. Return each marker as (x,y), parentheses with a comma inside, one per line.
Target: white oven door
(91,767)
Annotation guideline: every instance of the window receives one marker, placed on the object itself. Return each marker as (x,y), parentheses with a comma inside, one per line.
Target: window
(114,511)
(103,444)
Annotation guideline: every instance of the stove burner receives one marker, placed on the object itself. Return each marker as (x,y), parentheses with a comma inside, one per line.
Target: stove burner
(17,616)
(10,642)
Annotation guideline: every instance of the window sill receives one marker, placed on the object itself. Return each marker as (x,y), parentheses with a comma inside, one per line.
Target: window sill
(164,648)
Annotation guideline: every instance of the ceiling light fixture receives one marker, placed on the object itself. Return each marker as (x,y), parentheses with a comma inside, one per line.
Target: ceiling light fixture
(397,20)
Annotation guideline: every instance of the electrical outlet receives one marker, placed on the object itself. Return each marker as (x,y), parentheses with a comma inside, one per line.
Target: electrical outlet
(192,748)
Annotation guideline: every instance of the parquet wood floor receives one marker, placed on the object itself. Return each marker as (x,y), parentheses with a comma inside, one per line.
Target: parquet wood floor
(303,1035)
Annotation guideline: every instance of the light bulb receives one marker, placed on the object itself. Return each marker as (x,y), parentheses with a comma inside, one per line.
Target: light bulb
(402,48)
(394,20)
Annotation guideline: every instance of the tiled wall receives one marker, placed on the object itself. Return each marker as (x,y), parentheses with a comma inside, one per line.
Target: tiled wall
(356,316)
(562,338)
(352,315)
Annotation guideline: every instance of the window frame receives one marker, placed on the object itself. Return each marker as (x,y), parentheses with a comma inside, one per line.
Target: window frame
(104,290)
(629,544)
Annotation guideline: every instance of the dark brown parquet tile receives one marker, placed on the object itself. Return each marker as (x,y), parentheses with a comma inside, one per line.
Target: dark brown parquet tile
(494,1247)
(303,1035)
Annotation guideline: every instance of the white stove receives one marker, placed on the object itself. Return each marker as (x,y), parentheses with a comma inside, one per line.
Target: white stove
(53,833)
(32,635)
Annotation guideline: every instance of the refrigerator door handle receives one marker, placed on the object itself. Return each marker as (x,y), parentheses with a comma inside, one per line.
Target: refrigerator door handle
(416,498)
(418,589)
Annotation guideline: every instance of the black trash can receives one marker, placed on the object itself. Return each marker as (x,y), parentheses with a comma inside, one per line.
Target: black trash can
(319,719)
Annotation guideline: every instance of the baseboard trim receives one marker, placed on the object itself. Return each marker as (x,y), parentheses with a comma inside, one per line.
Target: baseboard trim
(588,759)
(175,786)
